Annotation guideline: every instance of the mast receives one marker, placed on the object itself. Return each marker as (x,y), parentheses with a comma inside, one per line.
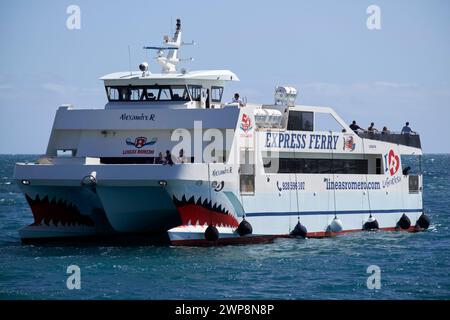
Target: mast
(168,63)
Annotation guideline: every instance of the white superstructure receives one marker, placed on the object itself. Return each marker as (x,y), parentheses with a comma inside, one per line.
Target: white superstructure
(167,156)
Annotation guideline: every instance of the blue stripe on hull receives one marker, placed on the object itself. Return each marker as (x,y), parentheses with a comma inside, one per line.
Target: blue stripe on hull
(310,213)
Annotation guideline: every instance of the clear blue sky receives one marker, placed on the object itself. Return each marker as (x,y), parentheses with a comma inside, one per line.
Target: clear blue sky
(323,48)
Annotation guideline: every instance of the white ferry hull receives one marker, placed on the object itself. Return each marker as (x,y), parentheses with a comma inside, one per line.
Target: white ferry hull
(134,203)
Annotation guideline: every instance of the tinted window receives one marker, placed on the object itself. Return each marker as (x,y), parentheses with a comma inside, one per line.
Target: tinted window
(307,121)
(341,166)
(301,121)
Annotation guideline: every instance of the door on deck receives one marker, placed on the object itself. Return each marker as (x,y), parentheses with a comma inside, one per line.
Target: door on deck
(247,172)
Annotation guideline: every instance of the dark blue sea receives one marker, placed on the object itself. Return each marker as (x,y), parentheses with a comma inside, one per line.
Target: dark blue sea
(412,265)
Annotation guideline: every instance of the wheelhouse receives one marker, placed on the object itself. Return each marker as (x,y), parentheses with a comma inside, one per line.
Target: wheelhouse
(190,90)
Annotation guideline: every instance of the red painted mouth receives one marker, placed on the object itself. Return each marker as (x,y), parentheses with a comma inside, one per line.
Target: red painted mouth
(57,212)
(198,212)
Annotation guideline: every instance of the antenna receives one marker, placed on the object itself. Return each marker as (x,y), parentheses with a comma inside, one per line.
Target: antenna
(168,62)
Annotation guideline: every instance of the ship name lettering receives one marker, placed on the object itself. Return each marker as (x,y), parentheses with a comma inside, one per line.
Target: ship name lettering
(301,141)
(142,117)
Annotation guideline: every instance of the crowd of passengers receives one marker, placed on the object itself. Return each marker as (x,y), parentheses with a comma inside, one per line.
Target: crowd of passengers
(371,129)
(168,158)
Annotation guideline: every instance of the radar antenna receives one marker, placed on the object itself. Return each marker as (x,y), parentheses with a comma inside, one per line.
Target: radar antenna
(168,63)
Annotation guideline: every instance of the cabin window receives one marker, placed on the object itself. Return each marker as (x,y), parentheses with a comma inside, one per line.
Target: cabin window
(350,166)
(216,94)
(180,93)
(65,153)
(326,122)
(195,92)
(378,166)
(316,166)
(112,93)
(301,121)
(164,94)
(413,184)
(148,93)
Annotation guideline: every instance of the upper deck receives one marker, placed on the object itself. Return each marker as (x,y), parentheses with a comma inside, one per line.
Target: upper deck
(410,140)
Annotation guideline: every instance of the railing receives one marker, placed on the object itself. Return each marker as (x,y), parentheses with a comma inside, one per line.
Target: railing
(411,140)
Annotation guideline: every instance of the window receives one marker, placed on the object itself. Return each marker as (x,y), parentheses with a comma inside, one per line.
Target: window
(301,121)
(65,153)
(195,92)
(216,94)
(148,93)
(164,94)
(307,121)
(112,93)
(378,165)
(413,184)
(314,166)
(326,122)
(247,184)
(180,93)
(350,166)
(127,160)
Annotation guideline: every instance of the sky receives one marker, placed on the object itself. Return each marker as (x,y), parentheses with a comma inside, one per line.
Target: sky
(323,48)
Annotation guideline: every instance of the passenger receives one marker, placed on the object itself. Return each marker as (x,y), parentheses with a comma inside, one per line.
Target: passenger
(385,130)
(372,129)
(355,127)
(238,100)
(308,125)
(160,159)
(406,170)
(407,130)
(181,157)
(168,159)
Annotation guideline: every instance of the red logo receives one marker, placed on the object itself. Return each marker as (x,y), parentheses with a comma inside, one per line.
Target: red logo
(246,124)
(349,143)
(393,162)
(140,142)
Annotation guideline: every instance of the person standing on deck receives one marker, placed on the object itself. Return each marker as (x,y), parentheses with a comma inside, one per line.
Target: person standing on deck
(238,100)
(355,127)
(372,128)
(407,130)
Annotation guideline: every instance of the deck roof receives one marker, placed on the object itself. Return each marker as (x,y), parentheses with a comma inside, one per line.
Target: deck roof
(208,75)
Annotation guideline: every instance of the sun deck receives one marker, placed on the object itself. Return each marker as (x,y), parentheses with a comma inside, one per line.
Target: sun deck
(410,140)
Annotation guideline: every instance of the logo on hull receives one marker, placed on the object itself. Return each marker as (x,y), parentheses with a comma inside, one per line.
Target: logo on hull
(349,143)
(141,142)
(393,161)
(246,126)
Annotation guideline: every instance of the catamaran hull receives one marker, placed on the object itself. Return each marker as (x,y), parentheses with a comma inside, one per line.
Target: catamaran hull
(76,213)
(178,203)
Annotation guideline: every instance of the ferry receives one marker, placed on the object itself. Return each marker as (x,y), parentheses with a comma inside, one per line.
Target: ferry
(169,156)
